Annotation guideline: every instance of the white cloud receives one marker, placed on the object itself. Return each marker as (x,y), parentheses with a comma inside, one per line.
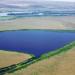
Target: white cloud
(66,0)
(34,0)
(19,2)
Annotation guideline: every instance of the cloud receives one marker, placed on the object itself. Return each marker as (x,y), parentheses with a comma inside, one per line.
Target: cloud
(26,2)
(10,1)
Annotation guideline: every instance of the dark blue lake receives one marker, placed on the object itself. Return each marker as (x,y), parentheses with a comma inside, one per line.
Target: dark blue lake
(34,42)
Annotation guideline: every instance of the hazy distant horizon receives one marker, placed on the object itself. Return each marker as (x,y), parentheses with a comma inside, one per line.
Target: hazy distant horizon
(36,8)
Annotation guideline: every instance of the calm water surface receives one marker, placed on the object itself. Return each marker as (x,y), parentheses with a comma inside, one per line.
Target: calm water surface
(34,42)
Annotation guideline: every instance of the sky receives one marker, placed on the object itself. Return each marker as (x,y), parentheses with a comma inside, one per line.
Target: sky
(59,0)
(37,0)
(22,2)
(66,0)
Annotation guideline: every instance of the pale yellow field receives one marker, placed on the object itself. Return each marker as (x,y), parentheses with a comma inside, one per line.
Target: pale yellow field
(62,64)
(9,58)
(66,23)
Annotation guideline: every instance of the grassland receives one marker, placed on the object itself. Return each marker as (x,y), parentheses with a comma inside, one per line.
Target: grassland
(60,64)
(8,58)
(59,23)
(17,69)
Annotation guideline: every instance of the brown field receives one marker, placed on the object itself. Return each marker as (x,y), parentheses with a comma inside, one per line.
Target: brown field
(39,23)
(62,64)
(8,58)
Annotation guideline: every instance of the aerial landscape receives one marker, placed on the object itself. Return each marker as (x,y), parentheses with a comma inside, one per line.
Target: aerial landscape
(37,37)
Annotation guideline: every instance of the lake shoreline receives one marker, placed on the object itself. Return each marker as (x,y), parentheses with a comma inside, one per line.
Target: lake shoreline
(30,45)
(34,60)
(53,30)
(55,23)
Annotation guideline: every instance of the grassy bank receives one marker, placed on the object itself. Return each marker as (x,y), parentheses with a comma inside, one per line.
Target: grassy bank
(53,30)
(24,64)
(61,50)
(60,64)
